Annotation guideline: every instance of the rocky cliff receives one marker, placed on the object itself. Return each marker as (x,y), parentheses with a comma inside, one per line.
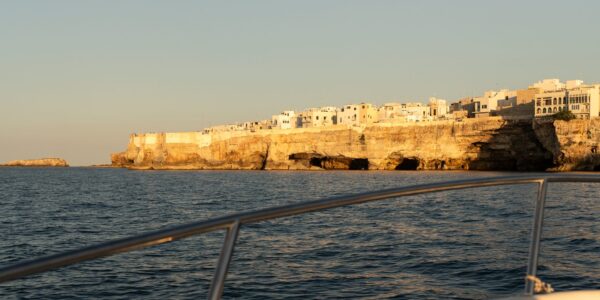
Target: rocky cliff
(42,162)
(473,144)
(575,145)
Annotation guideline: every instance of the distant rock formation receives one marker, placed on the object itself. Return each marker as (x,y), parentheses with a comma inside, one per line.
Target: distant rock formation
(472,144)
(42,162)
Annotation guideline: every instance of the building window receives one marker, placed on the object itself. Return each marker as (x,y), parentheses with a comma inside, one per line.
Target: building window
(544,110)
(539,110)
(554,102)
(555,110)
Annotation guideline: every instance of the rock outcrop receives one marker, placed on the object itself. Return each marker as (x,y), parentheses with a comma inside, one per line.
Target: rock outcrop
(575,144)
(42,162)
(472,144)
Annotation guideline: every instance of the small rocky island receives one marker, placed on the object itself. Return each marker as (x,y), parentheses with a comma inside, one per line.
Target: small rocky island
(42,162)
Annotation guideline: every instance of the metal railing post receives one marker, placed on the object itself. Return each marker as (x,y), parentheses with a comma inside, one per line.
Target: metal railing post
(536,235)
(218,282)
(233,222)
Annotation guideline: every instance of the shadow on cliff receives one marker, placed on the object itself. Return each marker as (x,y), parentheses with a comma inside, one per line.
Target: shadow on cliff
(516,146)
(590,162)
(397,161)
(338,162)
(517,112)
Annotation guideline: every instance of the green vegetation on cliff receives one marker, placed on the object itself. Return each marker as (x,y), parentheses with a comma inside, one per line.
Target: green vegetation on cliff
(565,115)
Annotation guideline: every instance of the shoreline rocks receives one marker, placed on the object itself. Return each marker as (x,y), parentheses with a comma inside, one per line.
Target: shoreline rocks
(42,162)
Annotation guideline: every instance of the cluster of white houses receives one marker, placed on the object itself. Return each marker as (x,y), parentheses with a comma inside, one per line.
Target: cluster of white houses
(542,99)
(361,114)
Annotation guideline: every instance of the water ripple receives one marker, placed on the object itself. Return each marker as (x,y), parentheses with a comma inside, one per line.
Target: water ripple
(456,245)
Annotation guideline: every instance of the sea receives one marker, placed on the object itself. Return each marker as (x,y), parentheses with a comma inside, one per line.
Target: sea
(467,244)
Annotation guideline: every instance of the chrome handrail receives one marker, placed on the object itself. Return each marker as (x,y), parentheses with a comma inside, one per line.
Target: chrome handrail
(233,223)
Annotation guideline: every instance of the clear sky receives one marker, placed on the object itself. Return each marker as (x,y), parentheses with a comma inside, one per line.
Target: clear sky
(77,77)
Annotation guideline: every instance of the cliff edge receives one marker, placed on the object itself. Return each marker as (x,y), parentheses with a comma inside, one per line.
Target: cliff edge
(42,162)
(471,144)
(575,144)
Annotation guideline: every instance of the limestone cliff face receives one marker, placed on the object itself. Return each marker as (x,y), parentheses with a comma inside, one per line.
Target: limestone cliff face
(42,162)
(575,144)
(487,144)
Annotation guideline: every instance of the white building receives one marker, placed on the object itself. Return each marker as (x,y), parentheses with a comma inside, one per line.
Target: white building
(490,101)
(319,117)
(582,100)
(550,102)
(389,111)
(284,120)
(549,85)
(357,114)
(571,84)
(438,108)
(227,127)
(415,111)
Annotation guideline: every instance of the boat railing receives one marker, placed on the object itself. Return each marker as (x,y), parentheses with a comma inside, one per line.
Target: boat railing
(234,222)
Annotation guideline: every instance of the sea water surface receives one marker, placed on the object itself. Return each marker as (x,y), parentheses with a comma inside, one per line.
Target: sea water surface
(468,244)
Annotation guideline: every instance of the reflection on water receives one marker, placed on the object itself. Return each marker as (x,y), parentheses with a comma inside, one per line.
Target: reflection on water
(463,244)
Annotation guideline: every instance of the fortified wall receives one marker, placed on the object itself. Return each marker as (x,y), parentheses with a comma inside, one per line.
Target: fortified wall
(471,144)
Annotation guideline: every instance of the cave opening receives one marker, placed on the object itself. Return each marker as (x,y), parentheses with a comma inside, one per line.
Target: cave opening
(263,164)
(359,164)
(408,164)
(442,165)
(316,162)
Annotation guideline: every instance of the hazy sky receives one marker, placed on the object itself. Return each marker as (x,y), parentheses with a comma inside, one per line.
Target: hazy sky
(77,77)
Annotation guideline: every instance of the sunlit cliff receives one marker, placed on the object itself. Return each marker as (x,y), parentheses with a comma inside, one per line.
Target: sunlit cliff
(471,144)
